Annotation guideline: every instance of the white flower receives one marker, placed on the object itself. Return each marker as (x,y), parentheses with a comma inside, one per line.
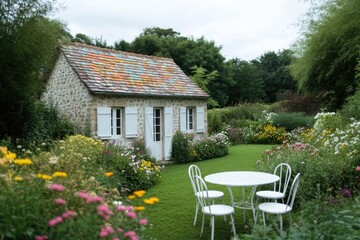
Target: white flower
(117,203)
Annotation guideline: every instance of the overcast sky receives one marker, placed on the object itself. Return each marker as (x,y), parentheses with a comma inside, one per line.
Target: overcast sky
(244,29)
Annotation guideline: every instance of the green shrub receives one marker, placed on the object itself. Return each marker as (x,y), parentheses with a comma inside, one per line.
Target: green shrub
(132,168)
(328,220)
(250,111)
(351,109)
(45,124)
(216,119)
(211,147)
(291,121)
(180,148)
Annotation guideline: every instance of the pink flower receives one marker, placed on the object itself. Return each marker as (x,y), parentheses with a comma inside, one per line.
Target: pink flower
(83,195)
(132,235)
(55,221)
(41,237)
(92,199)
(116,239)
(120,230)
(68,214)
(124,208)
(57,187)
(131,215)
(106,231)
(104,211)
(143,221)
(358,168)
(60,201)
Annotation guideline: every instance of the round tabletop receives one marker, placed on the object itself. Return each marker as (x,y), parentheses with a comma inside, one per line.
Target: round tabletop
(241,178)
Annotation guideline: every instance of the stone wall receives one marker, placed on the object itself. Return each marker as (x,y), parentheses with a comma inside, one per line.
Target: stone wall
(141,103)
(67,93)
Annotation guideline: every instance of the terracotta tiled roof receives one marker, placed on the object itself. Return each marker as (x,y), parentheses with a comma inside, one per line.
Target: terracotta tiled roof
(107,71)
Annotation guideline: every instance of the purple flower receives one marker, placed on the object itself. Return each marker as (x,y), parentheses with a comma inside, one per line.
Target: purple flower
(346,193)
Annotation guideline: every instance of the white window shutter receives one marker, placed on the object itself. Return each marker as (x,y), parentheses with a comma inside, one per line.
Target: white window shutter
(168,131)
(149,142)
(183,119)
(131,122)
(200,119)
(103,122)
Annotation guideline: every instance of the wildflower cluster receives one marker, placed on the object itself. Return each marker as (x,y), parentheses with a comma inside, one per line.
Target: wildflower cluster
(74,188)
(270,134)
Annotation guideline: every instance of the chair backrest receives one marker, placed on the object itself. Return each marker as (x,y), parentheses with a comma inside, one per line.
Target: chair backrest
(293,190)
(283,170)
(193,171)
(203,194)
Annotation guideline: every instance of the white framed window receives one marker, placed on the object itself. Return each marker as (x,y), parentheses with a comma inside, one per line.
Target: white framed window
(190,117)
(116,122)
(157,125)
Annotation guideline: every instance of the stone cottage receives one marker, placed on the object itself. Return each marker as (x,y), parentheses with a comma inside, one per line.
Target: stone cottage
(121,96)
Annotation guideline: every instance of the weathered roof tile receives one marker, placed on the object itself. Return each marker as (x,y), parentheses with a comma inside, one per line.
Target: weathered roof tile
(116,72)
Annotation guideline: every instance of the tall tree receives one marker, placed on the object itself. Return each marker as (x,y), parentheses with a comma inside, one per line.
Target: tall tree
(328,52)
(247,85)
(27,44)
(275,74)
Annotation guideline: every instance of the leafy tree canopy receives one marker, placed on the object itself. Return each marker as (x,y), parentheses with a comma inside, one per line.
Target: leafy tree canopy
(329,50)
(27,43)
(273,69)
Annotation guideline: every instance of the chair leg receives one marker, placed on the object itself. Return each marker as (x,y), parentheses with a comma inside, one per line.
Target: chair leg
(223,203)
(196,211)
(212,227)
(202,225)
(281,224)
(233,224)
(264,219)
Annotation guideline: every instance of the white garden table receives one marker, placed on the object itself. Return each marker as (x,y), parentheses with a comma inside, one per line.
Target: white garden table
(242,179)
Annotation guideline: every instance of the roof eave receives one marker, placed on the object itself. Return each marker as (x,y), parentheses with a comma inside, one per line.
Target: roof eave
(150,95)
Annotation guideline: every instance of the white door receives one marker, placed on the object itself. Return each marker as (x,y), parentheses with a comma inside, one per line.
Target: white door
(158,133)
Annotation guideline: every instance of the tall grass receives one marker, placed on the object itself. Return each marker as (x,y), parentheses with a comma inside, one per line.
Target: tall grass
(173,217)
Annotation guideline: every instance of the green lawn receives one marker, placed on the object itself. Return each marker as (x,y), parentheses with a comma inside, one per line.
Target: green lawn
(172,217)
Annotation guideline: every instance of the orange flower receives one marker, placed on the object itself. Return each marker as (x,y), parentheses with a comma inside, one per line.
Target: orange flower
(131,197)
(109,174)
(139,193)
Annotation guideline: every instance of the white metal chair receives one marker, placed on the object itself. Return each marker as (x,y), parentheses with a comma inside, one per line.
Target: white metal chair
(212,194)
(208,208)
(283,170)
(281,208)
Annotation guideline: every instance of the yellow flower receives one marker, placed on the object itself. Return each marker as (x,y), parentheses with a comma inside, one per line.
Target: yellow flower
(139,193)
(44,176)
(139,208)
(109,174)
(151,200)
(60,174)
(148,201)
(11,156)
(18,178)
(131,197)
(24,161)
